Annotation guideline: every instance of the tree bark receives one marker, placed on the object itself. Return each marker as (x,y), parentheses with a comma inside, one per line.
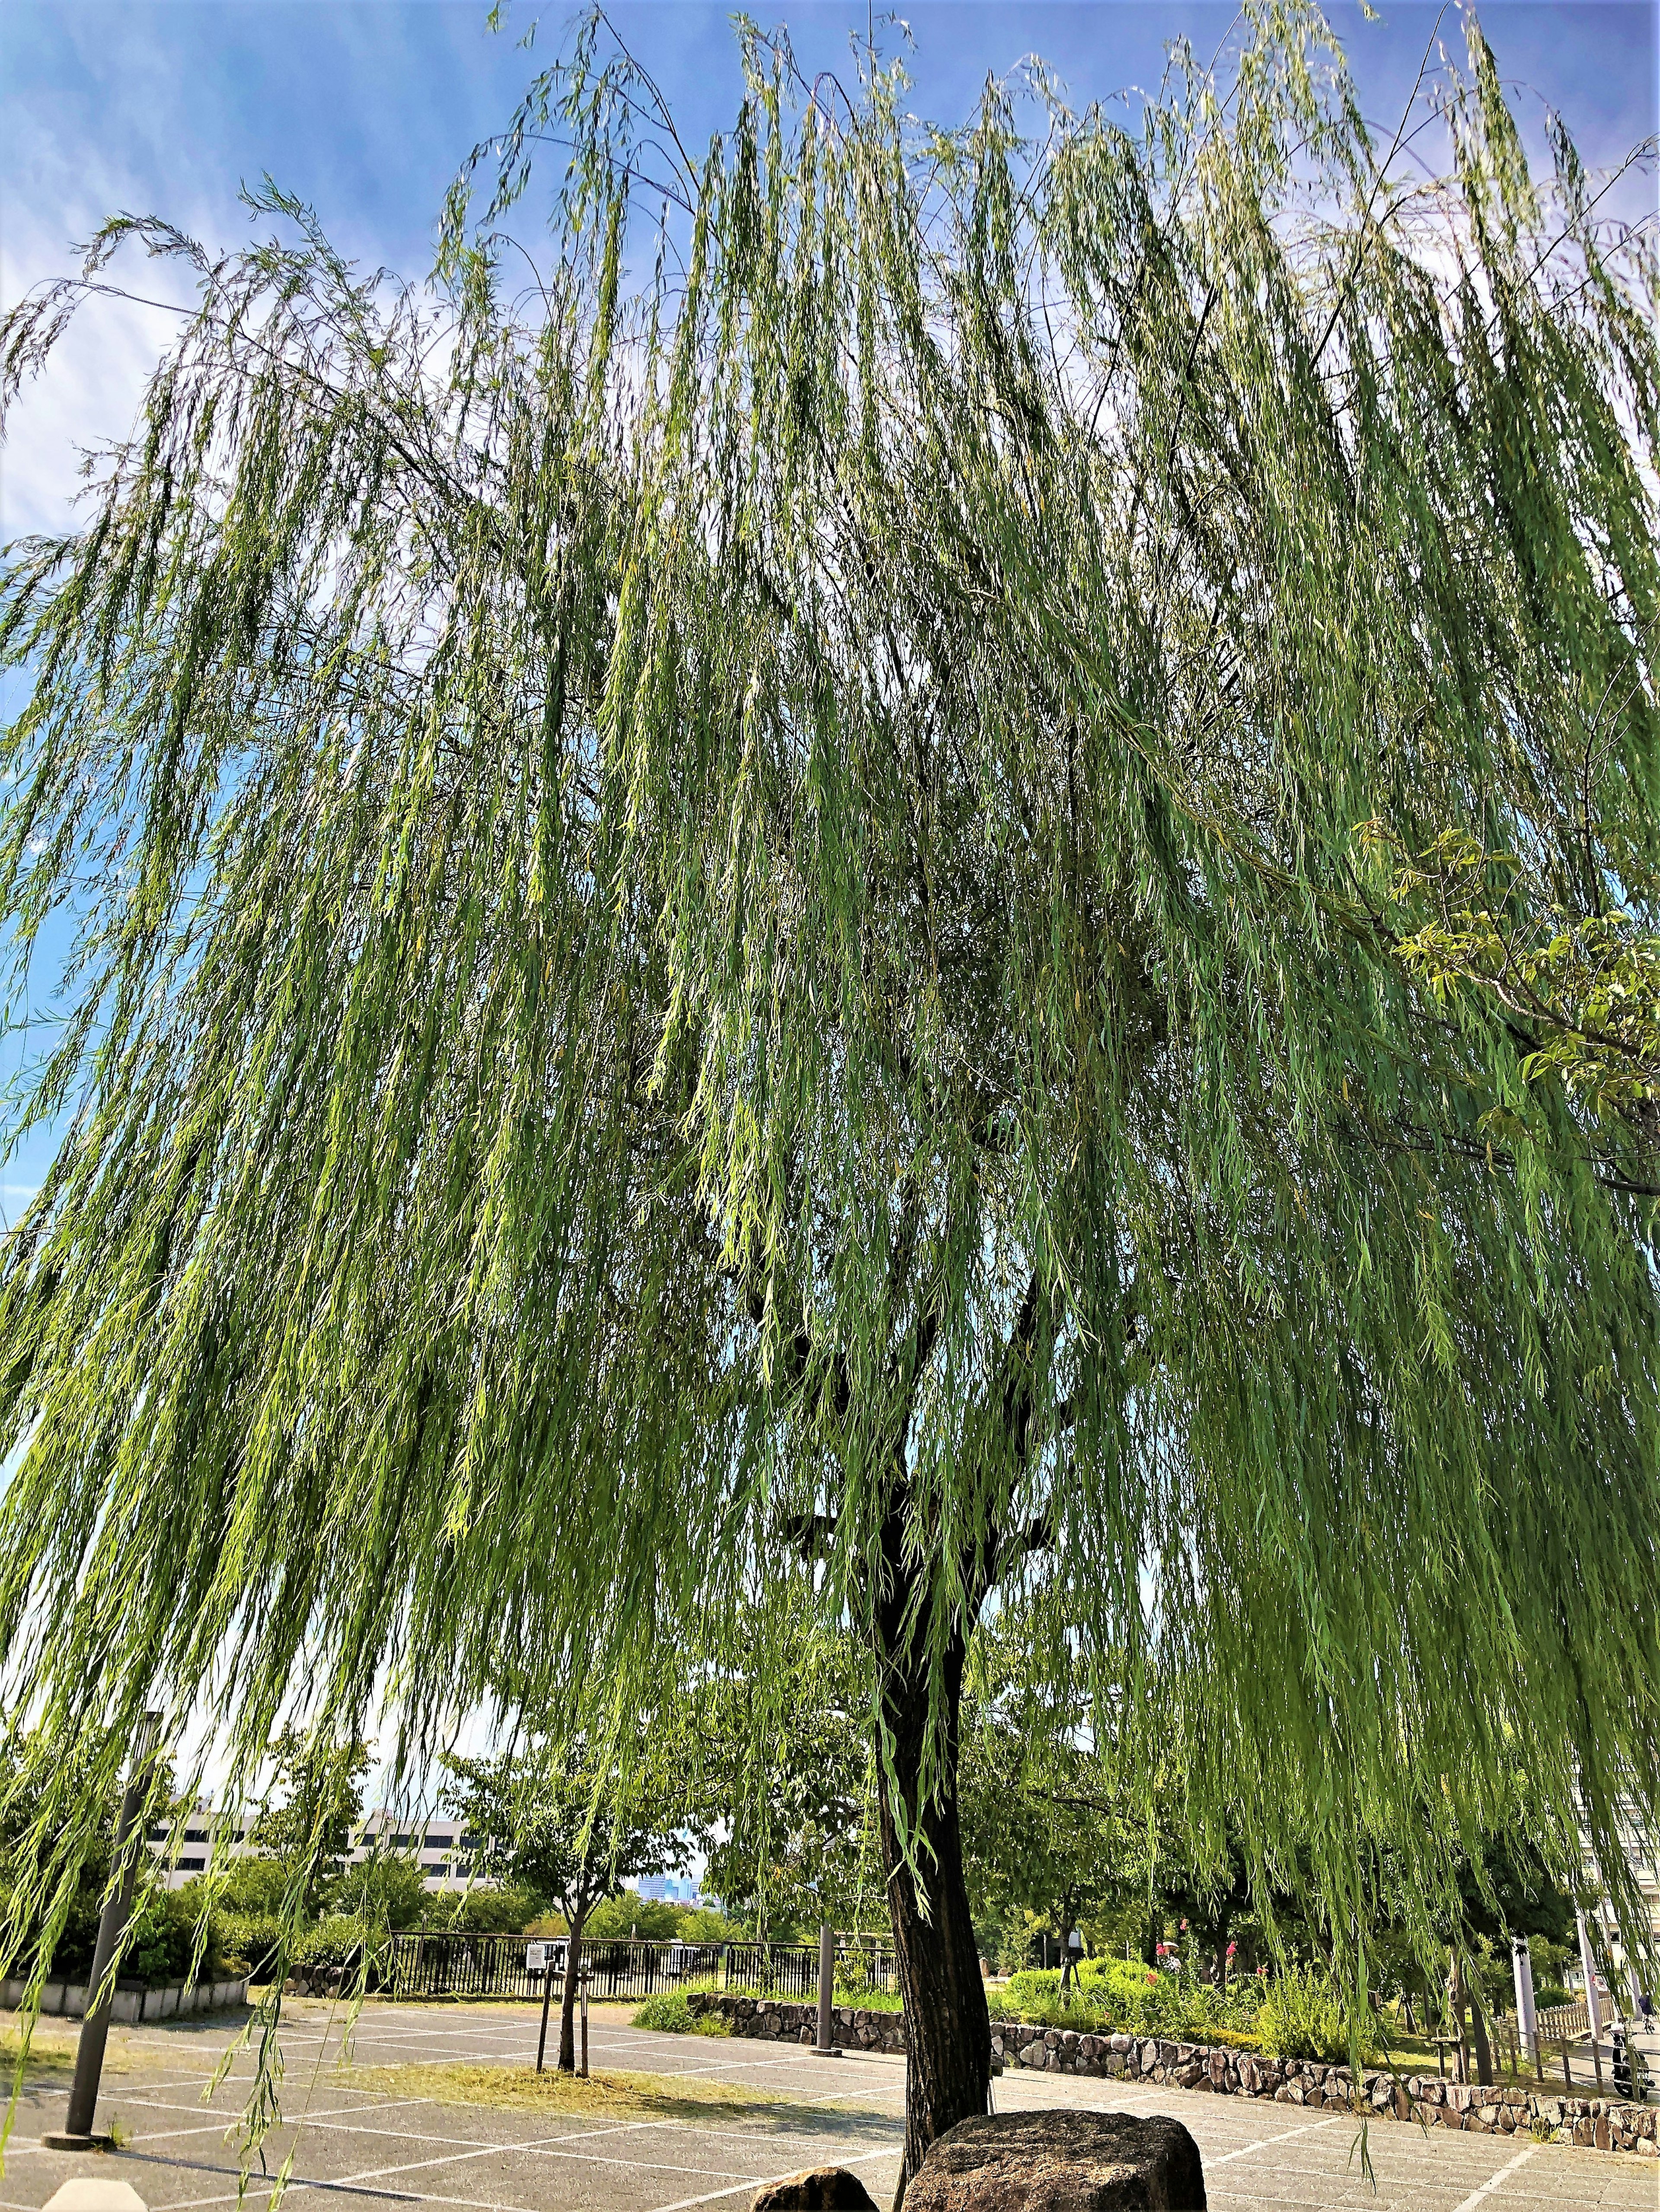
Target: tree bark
(1456,2007)
(947,2024)
(1479,2037)
(568,2002)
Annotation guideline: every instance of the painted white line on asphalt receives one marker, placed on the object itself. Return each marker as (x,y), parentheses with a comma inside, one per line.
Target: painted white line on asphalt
(1487,2188)
(1262,2142)
(349,2181)
(762,2181)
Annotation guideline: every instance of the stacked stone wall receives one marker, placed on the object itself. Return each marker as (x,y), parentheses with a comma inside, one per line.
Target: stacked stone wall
(1596,2123)
(778,2020)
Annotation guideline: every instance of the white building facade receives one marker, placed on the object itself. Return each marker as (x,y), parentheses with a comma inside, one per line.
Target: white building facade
(441,1847)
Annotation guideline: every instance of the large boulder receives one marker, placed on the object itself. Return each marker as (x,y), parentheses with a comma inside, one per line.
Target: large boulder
(824,2188)
(1060,2161)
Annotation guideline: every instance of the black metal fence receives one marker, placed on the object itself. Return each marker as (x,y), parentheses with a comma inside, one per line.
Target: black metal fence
(513,1967)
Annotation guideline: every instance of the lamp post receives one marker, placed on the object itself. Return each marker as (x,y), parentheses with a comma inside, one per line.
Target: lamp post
(1593,2003)
(1526,2017)
(826,1990)
(76,2133)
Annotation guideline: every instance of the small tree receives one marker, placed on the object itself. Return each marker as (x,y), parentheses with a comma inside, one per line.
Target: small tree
(545,1821)
(1049,1835)
(773,1749)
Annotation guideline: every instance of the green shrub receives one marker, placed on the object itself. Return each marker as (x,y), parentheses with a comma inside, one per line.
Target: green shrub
(699,1925)
(248,1943)
(163,1942)
(1125,1996)
(386,1890)
(253,1887)
(670,2014)
(338,1939)
(1303,2017)
(1551,1995)
(859,1997)
(483,1910)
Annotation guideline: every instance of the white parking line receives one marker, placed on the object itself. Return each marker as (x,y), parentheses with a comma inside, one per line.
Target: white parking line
(764,2181)
(1262,2142)
(1487,2188)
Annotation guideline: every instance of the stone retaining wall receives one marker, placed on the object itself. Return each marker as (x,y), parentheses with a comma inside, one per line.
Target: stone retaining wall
(1596,2123)
(857,2027)
(130,2001)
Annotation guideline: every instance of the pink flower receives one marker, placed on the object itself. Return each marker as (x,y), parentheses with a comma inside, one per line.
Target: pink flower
(1152,1981)
(1232,1947)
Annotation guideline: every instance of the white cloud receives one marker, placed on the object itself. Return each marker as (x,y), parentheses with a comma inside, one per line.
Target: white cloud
(90,395)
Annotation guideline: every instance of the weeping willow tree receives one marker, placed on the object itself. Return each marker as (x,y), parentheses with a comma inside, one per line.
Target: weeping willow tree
(769,910)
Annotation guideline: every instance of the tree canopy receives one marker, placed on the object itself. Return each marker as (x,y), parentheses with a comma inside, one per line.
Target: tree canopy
(755,916)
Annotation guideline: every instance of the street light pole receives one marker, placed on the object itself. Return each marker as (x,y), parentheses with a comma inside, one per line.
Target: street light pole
(76,2134)
(826,1990)
(1526,2017)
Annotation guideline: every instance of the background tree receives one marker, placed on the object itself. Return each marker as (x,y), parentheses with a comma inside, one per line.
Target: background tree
(1051,1838)
(386,1890)
(736,931)
(774,1754)
(309,1820)
(548,1819)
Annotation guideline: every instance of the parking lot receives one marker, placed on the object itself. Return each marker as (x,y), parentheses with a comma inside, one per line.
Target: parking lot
(381,2142)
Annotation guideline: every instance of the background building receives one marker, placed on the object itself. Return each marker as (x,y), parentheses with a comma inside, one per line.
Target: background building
(440,1847)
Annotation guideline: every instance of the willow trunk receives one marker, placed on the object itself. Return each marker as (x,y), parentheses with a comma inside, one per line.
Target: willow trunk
(947,2024)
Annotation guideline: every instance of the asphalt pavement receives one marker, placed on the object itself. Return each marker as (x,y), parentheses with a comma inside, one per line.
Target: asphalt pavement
(378,2145)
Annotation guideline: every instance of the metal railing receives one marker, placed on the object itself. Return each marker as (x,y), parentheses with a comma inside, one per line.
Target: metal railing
(451,1965)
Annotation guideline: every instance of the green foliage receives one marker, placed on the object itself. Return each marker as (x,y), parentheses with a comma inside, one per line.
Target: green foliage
(165,1933)
(1126,1997)
(781,1798)
(339,1939)
(855,1991)
(1051,1838)
(384,1891)
(650,1918)
(553,1822)
(252,1886)
(701,1924)
(312,1811)
(482,1909)
(739,946)
(669,2013)
(250,1943)
(1303,2017)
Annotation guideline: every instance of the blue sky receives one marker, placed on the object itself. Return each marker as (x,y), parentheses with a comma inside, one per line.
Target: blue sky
(365,108)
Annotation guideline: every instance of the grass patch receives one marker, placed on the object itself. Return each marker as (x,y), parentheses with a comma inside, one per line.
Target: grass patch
(670,2014)
(522,2089)
(52,2049)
